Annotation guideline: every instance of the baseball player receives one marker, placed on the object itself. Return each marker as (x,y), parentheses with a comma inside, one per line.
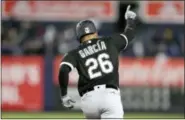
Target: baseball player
(96,60)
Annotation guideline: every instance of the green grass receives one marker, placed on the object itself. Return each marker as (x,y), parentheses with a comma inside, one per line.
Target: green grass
(80,115)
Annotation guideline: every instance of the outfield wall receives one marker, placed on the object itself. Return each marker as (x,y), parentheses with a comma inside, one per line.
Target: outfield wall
(31,84)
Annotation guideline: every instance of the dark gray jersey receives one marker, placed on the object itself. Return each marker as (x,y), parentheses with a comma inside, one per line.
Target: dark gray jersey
(97,61)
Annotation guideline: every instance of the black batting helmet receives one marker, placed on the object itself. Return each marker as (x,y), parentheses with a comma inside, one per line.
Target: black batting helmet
(84,28)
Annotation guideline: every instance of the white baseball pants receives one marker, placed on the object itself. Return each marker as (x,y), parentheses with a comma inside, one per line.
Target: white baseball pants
(102,103)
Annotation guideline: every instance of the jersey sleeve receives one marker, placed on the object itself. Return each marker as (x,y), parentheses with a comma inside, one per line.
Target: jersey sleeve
(69,60)
(120,41)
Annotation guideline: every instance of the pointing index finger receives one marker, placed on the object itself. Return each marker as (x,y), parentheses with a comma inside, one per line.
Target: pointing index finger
(128,8)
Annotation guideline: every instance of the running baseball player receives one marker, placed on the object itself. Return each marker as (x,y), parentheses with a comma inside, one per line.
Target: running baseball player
(96,60)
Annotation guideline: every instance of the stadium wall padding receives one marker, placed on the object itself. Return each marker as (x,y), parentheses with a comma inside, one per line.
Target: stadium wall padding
(135,97)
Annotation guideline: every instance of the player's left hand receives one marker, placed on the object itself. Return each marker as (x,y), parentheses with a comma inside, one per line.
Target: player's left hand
(130,14)
(67,102)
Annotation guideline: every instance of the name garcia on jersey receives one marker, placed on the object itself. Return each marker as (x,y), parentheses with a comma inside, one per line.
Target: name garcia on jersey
(91,49)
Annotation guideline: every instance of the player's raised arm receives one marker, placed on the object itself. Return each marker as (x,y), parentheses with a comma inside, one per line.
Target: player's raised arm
(129,32)
(67,64)
(123,39)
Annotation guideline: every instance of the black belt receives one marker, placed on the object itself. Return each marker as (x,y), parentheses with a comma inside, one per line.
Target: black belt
(91,89)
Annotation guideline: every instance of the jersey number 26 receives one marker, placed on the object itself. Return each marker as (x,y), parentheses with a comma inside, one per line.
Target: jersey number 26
(102,61)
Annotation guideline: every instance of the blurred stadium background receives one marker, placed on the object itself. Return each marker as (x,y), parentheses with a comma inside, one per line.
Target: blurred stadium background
(35,35)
